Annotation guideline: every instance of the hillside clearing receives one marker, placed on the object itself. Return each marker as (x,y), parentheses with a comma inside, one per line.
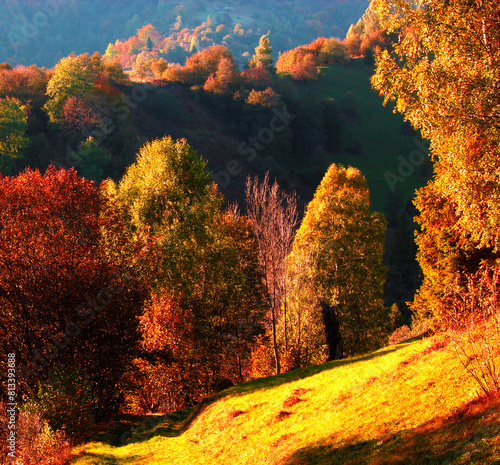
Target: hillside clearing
(410,403)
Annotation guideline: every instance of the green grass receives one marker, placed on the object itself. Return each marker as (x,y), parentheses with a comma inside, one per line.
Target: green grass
(378,133)
(410,403)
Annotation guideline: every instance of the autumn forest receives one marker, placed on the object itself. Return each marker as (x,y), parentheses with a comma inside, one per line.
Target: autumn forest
(221,197)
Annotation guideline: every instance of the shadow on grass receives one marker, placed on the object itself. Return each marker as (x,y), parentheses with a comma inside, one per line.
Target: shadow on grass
(105,459)
(471,436)
(306,372)
(285,378)
(130,429)
(137,428)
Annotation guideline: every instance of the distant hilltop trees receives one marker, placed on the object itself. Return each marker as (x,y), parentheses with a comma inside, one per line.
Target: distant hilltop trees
(44,32)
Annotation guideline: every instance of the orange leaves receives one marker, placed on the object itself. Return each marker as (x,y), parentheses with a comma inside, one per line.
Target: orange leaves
(265,98)
(46,228)
(443,76)
(258,78)
(165,325)
(445,252)
(202,64)
(302,62)
(304,70)
(289,58)
(22,81)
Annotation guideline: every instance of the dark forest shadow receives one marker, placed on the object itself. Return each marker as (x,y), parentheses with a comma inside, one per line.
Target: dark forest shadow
(137,428)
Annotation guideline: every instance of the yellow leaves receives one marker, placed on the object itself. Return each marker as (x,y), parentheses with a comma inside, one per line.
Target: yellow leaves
(339,247)
(167,182)
(445,82)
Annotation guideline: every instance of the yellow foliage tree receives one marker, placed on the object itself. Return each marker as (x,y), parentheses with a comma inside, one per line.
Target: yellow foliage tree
(335,272)
(201,258)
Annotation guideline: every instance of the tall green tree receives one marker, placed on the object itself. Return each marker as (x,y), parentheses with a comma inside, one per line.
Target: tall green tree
(202,258)
(169,191)
(335,268)
(444,76)
(73,75)
(262,56)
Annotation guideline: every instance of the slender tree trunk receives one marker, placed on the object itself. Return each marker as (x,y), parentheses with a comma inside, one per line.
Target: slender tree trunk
(284,311)
(332,332)
(275,343)
(274,217)
(240,368)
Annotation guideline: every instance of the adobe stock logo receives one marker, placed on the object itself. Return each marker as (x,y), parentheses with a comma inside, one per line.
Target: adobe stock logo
(407,167)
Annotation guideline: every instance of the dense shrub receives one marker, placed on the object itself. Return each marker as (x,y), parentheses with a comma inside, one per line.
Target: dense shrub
(265,98)
(66,400)
(405,332)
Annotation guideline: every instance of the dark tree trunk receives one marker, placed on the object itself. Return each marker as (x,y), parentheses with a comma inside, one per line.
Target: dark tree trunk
(332,332)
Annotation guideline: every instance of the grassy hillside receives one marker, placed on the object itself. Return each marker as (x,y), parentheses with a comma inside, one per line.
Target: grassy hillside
(410,403)
(374,139)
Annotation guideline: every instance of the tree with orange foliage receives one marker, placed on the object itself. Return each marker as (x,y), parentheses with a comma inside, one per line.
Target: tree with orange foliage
(353,40)
(264,98)
(333,51)
(258,78)
(202,64)
(23,83)
(80,75)
(443,76)
(305,69)
(158,67)
(147,32)
(316,45)
(225,79)
(287,59)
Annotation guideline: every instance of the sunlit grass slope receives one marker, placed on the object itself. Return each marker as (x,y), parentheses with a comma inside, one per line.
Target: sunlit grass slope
(405,404)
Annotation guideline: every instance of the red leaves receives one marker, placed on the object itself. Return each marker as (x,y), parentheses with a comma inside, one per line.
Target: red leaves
(22,81)
(258,78)
(49,251)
